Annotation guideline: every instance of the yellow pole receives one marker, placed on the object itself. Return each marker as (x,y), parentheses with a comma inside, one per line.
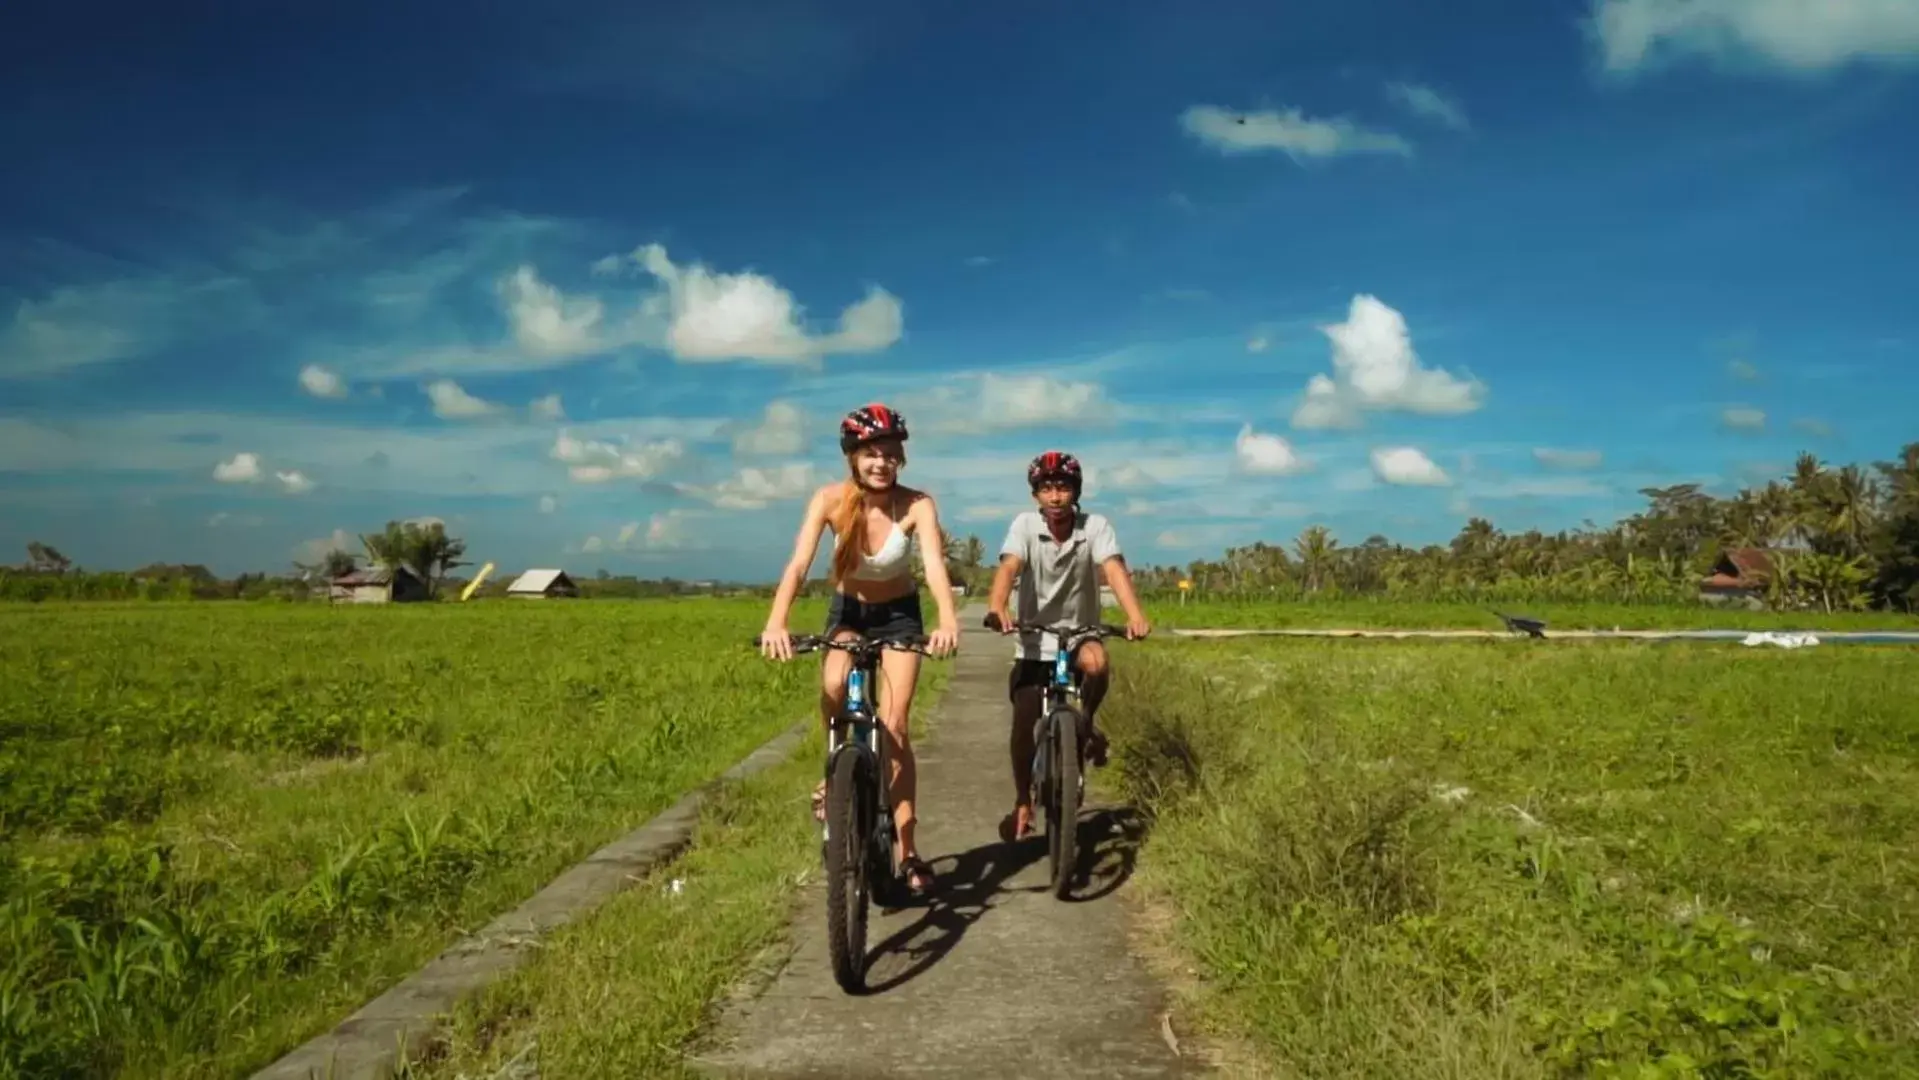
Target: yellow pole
(475,583)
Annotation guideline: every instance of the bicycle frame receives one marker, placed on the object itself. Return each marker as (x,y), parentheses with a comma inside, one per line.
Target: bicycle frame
(1060,692)
(856,730)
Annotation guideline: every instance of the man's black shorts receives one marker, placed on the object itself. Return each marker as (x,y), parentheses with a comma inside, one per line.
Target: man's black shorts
(1034,673)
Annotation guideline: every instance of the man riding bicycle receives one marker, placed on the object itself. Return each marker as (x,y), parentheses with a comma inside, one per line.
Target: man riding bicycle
(1058,553)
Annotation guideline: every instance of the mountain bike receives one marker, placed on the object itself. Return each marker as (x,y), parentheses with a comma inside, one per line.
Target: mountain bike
(859,835)
(1059,745)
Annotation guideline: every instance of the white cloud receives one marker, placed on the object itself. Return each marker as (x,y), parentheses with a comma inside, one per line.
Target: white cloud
(1743,370)
(450,402)
(1376,369)
(663,532)
(1004,512)
(989,401)
(480,459)
(294,482)
(1567,459)
(1265,455)
(312,551)
(548,504)
(1424,101)
(1796,35)
(1299,136)
(1258,343)
(1407,466)
(1743,418)
(754,488)
(242,468)
(1812,426)
(592,544)
(594,462)
(322,383)
(1542,487)
(1126,476)
(713,315)
(545,321)
(779,432)
(546,408)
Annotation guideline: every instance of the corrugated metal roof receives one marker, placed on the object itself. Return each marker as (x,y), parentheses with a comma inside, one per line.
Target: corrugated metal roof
(534,581)
(372,575)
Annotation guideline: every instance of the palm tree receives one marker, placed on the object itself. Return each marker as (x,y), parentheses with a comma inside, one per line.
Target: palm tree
(1315,549)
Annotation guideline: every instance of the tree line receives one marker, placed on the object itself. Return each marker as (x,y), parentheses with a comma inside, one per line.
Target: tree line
(1836,538)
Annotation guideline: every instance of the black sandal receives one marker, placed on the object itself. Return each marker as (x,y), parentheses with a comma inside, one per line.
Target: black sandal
(914,866)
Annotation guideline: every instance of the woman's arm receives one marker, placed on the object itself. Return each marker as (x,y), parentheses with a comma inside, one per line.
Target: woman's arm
(933,558)
(805,546)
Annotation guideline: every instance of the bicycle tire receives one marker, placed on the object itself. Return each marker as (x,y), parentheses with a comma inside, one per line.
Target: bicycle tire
(846,864)
(1062,824)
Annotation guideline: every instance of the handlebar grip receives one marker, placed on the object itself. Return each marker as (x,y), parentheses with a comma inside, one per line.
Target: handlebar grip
(991,622)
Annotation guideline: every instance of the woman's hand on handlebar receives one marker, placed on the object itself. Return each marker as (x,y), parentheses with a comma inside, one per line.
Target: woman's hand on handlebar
(944,641)
(776,643)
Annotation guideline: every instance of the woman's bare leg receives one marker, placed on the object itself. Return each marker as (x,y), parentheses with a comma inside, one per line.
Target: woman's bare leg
(900,672)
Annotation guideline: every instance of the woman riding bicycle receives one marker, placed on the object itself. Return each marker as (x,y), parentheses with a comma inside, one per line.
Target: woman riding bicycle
(874,595)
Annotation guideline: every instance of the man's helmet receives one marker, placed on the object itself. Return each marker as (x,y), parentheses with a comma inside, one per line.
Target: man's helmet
(1054,465)
(869,423)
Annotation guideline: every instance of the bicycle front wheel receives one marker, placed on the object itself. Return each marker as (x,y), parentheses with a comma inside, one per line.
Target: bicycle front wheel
(1062,810)
(846,838)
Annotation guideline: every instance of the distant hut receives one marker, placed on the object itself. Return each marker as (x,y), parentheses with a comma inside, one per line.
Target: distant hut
(1740,576)
(543,585)
(377,585)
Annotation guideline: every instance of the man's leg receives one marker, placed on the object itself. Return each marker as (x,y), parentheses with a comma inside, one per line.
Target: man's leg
(1025,694)
(1091,662)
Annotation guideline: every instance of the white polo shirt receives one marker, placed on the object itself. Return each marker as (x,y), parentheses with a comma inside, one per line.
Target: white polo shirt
(1058,582)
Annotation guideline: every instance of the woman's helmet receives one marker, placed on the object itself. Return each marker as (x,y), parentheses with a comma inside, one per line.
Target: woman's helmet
(1054,465)
(870,423)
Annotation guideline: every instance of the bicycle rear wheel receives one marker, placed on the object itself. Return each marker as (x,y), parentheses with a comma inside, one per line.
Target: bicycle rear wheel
(848,828)
(1062,808)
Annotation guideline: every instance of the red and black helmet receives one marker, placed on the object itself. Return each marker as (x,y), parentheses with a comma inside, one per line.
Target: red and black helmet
(1054,465)
(869,423)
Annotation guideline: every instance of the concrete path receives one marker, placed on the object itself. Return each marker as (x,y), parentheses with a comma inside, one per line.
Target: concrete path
(991,976)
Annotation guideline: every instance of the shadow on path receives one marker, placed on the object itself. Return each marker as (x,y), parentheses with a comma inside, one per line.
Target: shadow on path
(1109,840)
(972,882)
(967,889)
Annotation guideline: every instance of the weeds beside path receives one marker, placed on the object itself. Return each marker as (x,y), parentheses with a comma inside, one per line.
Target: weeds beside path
(1465,860)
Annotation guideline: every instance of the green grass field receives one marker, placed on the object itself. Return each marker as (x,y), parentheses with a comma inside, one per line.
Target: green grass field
(227,826)
(1369,613)
(1494,859)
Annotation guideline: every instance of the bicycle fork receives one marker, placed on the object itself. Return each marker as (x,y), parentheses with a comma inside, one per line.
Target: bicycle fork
(857,731)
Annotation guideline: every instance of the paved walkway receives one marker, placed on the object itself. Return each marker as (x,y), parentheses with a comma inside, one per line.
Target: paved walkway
(992,976)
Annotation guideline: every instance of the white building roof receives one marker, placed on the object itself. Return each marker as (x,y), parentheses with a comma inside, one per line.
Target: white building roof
(537,581)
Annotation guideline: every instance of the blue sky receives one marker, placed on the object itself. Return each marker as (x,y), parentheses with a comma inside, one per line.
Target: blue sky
(594,284)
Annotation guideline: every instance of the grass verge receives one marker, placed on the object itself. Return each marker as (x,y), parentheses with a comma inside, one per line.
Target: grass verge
(1388,614)
(627,990)
(223,827)
(1463,859)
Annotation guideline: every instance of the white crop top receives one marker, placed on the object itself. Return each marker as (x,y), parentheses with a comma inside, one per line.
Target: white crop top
(888,563)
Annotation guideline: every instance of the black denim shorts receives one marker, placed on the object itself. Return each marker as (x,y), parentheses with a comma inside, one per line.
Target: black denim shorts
(897,618)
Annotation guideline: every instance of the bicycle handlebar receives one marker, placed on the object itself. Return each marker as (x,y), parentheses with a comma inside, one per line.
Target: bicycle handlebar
(803,643)
(1062,630)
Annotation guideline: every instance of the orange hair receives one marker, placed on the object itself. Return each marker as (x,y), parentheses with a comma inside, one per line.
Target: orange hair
(849,530)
